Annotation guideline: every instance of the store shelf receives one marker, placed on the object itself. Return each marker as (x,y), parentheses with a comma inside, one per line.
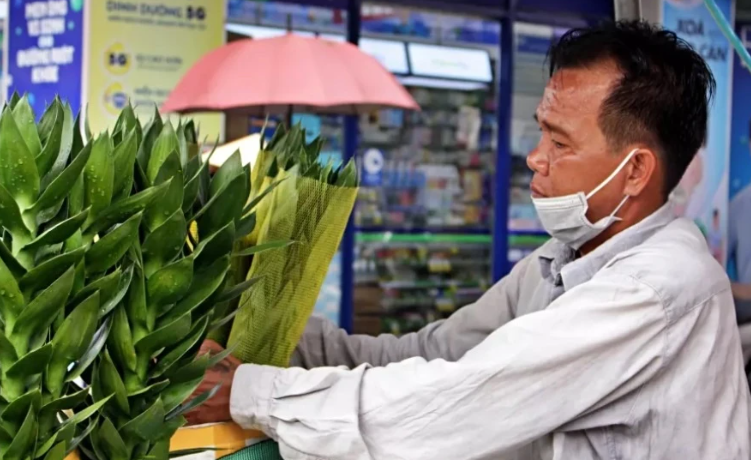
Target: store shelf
(424,230)
(428,284)
(423,238)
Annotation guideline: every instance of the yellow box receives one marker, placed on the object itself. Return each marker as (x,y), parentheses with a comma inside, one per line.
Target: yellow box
(227,437)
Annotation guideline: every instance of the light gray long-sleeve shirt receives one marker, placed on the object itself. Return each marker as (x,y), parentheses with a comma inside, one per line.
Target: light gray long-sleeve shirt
(631,352)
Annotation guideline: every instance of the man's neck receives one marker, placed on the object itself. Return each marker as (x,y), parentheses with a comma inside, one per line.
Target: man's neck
(631,217)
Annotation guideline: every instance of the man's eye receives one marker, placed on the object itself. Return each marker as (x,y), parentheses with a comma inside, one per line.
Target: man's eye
(558,145)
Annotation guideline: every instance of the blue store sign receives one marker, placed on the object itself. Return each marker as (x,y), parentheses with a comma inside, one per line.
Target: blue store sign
(45,50)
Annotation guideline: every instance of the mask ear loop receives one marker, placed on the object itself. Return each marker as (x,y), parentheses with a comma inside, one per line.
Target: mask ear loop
(613,174)
(618,208)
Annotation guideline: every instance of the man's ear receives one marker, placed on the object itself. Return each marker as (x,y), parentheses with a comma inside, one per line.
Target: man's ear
(641,169)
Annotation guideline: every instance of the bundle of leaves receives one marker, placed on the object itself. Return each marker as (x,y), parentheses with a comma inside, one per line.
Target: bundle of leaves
(114,251)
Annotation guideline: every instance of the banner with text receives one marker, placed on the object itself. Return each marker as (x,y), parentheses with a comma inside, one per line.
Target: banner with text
(138,51)
(703,192)
(45,51)
(739,220)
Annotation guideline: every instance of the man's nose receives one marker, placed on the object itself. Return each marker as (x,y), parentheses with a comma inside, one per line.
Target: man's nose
(538,162)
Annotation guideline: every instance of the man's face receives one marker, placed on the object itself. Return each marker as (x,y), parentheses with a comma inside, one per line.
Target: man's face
(573,154)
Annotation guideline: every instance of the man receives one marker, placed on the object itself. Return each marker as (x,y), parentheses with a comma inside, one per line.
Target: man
(739,248)
(616,339)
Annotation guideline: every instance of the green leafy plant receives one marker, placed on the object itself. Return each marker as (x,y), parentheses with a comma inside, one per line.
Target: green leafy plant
(49,332)
(114,251)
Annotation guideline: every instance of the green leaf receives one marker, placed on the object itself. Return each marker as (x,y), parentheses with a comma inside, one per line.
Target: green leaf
(17,410)
(11,298)
(215,246)
(51,150)
(146,426)
(8,354)
(47,122)
(95,347)
(165,243)
(159,211)
(177,352)
(188,406)
(111,383)
(238,289)
(205,283)
(50,270)
(246,225)
(59,188)
(58,233)
(44,447)
(190,372)
(263,248)
(218,324)
(71,341)
(26,121)
(190,192)
(160,451)
(18,171)
(164,145)
(99,176)
(127,121)
(151,133)
(125,160)
(224,207)
(15,98)
(75,442)
(41,312)
(255,201)
(66,402)
(121,340)
(24,440)
(170,168)
(177,393)
(126,209)
(154,388)
(106,285)
(109,250)
(171,283)
(57,452)
(13,265)
(122,289)
(229,170)
(109,443)
(66,146)
(135,305)
(31,364)
(164,337)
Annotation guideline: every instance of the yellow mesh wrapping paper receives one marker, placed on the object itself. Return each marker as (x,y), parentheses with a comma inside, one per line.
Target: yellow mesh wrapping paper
(272,315)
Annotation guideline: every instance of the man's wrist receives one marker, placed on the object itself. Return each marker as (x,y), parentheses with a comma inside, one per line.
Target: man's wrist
(251,397)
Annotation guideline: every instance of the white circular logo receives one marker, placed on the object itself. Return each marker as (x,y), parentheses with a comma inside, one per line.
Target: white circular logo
(373,161)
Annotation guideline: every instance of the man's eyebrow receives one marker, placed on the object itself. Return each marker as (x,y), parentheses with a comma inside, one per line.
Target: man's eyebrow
(551,126)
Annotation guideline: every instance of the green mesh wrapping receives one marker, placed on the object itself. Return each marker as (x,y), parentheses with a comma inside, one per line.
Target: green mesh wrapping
(272,315)
(266,450)
(309,204)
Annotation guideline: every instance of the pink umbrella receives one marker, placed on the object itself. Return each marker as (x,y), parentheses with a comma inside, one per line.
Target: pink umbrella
(288,73)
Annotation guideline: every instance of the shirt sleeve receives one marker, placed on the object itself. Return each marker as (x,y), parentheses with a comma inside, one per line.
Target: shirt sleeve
(595,344)
(324,344)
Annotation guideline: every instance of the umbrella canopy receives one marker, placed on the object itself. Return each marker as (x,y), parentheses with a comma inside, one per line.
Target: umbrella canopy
(290,72)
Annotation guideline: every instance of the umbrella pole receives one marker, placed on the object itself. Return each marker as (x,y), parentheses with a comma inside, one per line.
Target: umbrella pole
(289,117)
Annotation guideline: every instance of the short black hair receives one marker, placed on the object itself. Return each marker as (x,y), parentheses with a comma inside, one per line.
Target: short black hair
(663,97)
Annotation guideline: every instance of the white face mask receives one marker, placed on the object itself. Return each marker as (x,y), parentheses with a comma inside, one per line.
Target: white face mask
(565,217)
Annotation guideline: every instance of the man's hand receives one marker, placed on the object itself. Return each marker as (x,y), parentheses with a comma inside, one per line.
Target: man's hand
(742,291)
(215,409)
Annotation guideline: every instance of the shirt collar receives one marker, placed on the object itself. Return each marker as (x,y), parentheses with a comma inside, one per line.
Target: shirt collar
(558,262)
